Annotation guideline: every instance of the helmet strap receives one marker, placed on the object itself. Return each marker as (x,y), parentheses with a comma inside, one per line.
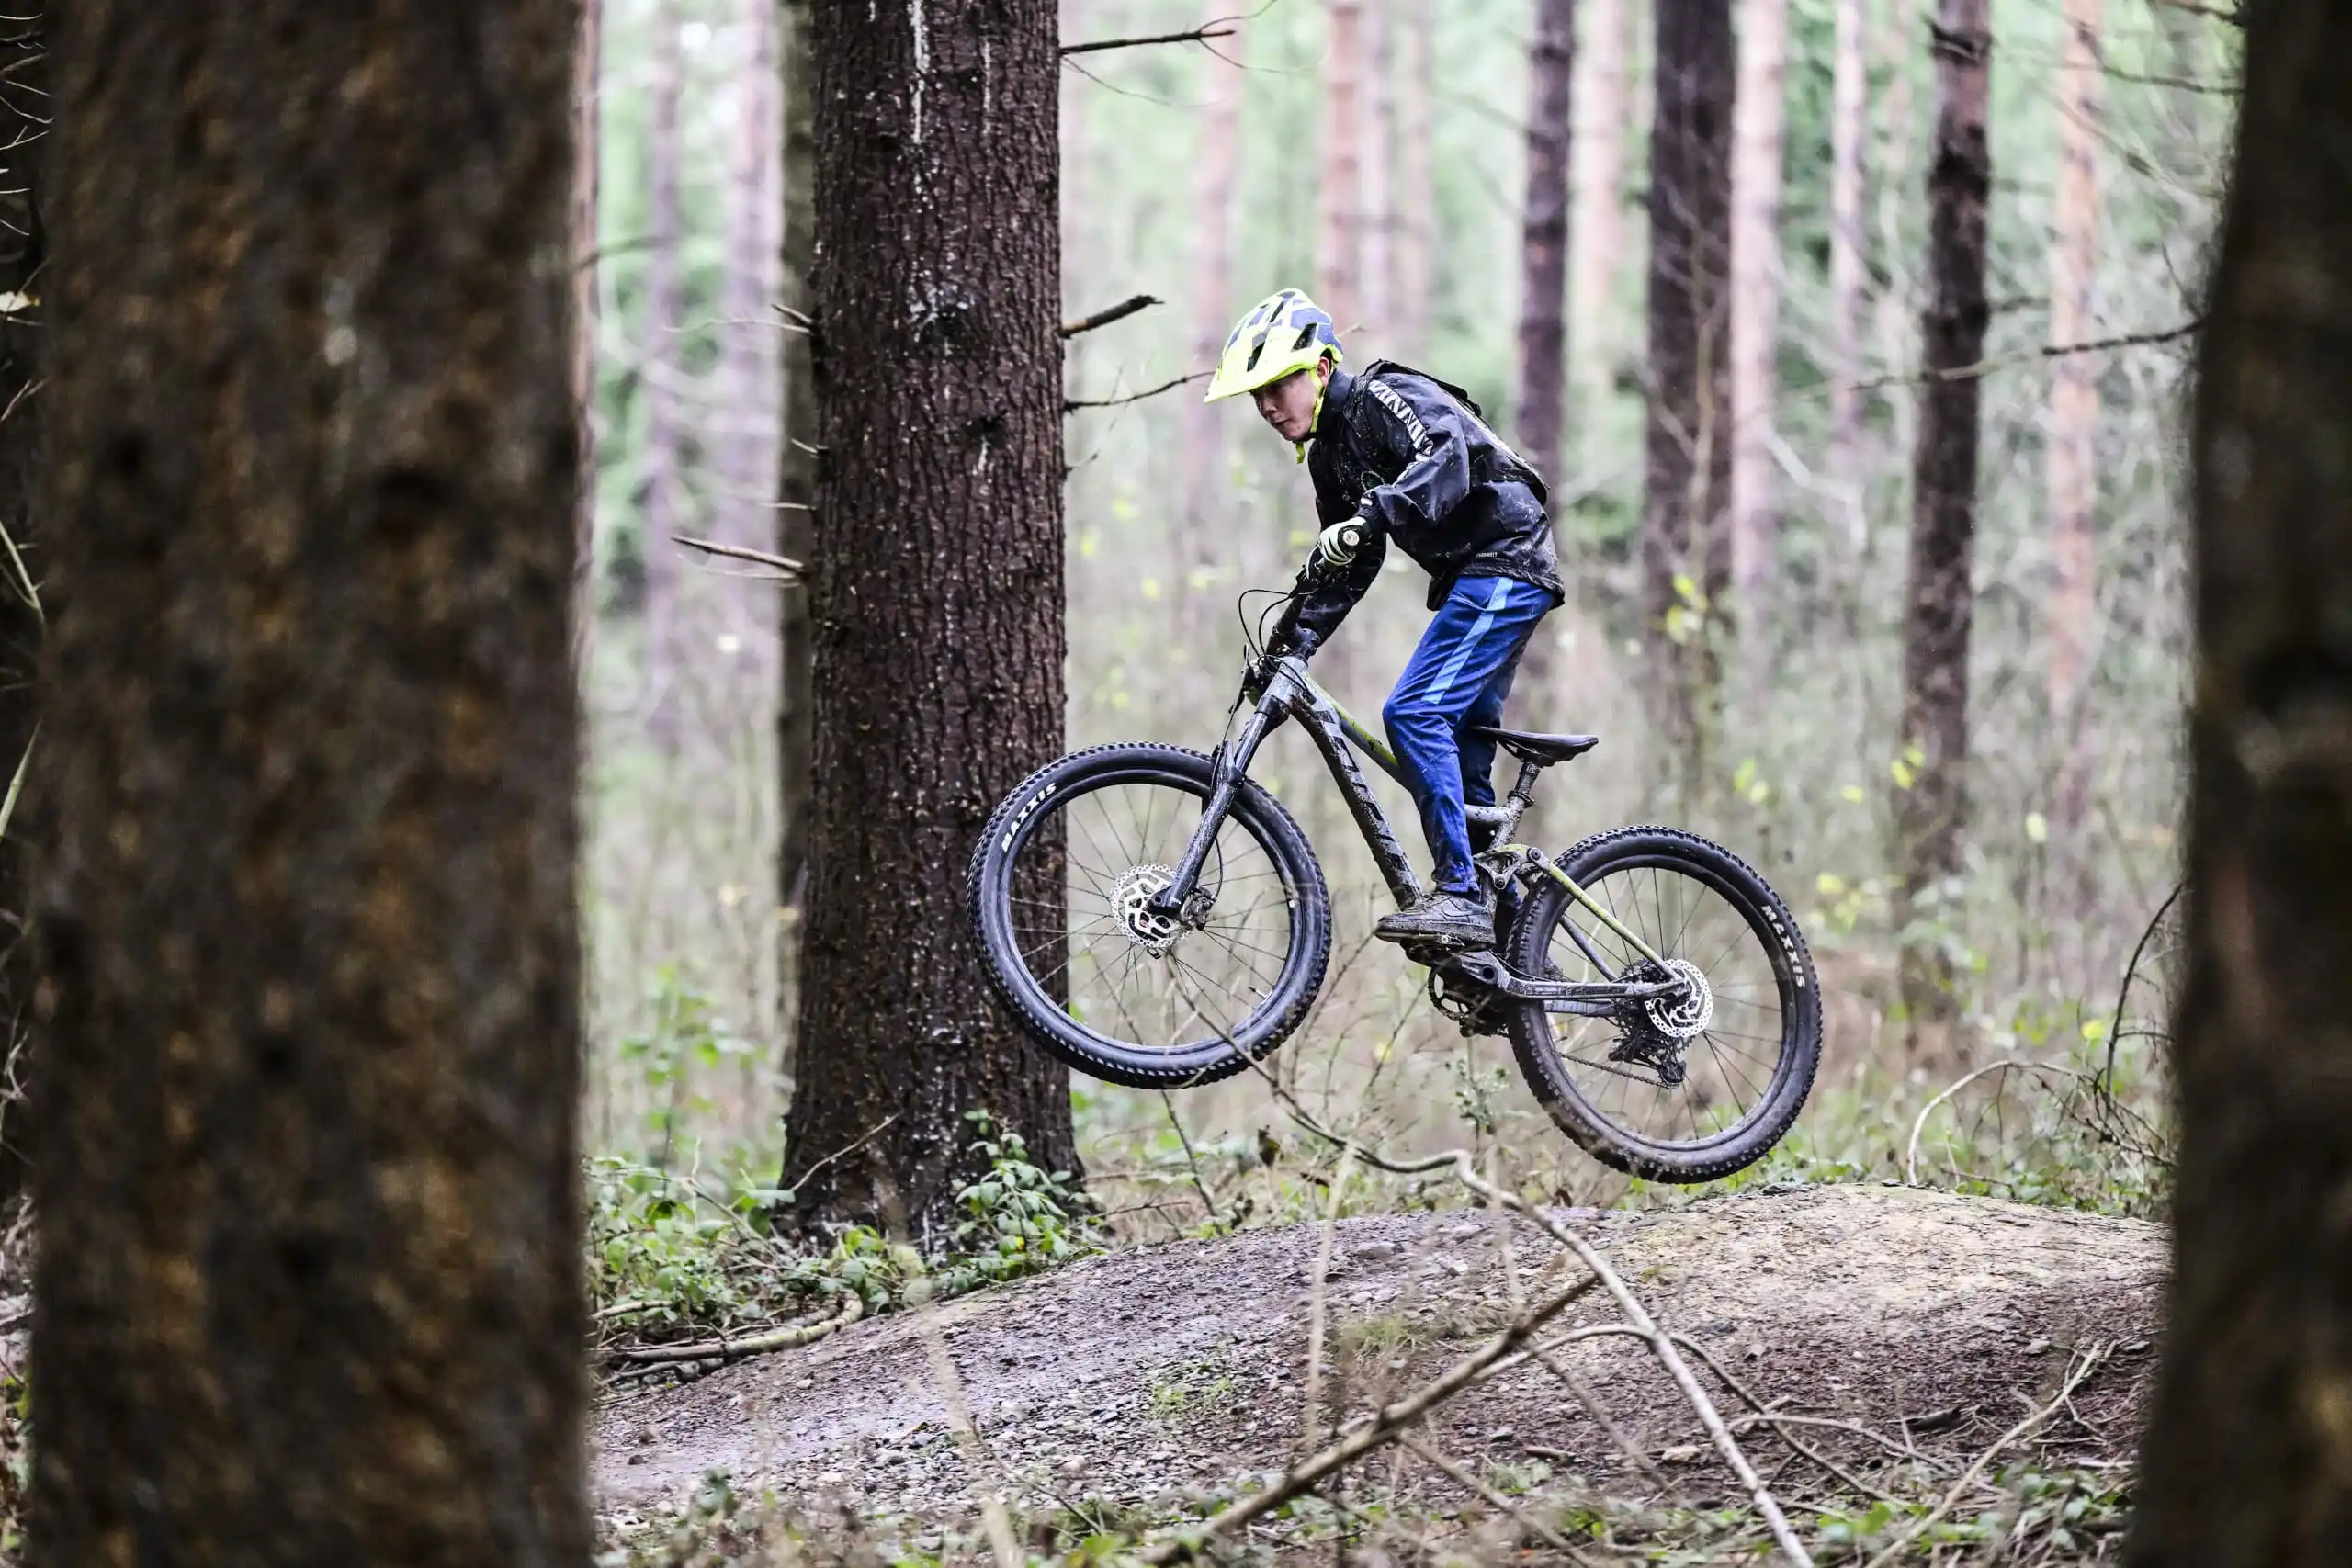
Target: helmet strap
(1315,422)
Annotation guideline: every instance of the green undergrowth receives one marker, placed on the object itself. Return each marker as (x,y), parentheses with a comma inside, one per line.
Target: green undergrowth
(2027,1515)
(676,1255)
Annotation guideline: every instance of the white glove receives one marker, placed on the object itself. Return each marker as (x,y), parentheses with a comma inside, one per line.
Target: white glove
(1340,541)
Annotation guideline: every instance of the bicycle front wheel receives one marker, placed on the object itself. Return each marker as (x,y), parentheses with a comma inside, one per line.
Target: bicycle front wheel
(1061,888)
(1700,1083)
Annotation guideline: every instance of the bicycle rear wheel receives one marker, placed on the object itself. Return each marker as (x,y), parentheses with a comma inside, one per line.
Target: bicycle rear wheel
(1684,1089)
(1060,889)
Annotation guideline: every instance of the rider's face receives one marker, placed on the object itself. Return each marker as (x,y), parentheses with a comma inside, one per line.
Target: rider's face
(1289,404)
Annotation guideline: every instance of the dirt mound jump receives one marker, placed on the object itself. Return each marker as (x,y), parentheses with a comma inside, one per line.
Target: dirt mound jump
(1128,1376)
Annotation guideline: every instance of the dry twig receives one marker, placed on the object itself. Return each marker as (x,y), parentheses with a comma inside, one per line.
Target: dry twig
(727,1350)
(1118,313)
(1461,1476)
(2085,1364)
(785,564)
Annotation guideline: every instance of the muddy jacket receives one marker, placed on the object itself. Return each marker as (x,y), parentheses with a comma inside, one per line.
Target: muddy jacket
(1411,456)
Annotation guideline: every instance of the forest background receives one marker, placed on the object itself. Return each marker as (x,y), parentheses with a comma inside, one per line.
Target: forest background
(1391,156)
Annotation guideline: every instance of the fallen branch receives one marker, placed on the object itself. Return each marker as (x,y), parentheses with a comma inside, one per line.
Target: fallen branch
(1638,1321)
(1462,1477)
(2085,1364)
(1201,33)
(1118,313)
(1135,397)
(743,552)
(1382,1428)
(726,1349)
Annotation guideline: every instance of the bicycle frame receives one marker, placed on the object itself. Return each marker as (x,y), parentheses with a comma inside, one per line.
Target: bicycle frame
(1291,693)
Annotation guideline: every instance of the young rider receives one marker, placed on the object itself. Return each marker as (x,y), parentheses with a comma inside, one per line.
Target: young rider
(1398,455)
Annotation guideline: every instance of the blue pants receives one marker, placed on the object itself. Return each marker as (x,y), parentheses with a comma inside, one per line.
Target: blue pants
(1457,678)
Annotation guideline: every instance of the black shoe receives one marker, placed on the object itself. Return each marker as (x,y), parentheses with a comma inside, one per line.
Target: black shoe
(1450,917)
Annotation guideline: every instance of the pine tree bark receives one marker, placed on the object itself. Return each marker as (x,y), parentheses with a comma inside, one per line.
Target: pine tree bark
(2071,472)
(2248,1459)
(1544,237)
(308,1287)
(1415,251)
(1849,251)
(1760,138)
(939,592)
(800,428)
(1604,94)
(1686,544)
(1940,601)
(662,488)
(1338,225)
(25,196)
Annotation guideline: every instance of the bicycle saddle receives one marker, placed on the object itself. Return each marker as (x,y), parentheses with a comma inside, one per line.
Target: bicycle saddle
(1541,750)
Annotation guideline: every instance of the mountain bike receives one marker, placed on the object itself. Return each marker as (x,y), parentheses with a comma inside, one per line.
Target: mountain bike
(1155,917)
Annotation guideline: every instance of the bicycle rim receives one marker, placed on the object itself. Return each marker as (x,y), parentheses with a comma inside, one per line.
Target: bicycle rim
(1125,975)
(1687,1074)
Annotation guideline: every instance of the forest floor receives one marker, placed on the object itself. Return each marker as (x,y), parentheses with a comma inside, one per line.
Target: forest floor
(1155,1380)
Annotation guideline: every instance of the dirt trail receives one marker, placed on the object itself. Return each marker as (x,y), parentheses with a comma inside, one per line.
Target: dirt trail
(1128,1376)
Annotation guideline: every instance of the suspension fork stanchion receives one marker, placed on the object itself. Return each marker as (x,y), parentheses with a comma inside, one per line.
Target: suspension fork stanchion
(1232,764)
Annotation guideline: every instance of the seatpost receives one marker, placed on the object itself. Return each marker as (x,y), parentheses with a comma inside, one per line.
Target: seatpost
(1523,790)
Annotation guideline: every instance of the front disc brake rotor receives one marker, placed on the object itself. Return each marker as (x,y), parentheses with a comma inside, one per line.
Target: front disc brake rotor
(1132,896)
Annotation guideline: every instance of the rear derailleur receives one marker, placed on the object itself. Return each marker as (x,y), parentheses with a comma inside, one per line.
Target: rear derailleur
(1643,1043)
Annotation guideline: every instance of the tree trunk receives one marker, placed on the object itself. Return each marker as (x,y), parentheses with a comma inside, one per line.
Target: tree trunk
(796,495)
(1849,109)
(1544,237)
(1209,486)
(746,419)
(1379,133)
(938,588)
(2073,474)
(2248,1459)
(1414,252)
(24,253)
(661,494)
(587,122)
(1339,247)
(1604,94)
(1940,601)
(1685,544)
(308,1287)
(1759,138)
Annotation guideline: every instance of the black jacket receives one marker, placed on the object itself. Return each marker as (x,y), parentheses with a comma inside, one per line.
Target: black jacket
(1413,458)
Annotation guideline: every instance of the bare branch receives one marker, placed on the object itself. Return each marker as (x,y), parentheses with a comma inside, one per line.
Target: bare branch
(1118,313)
(743,552)
(1196,35)
(1135,396)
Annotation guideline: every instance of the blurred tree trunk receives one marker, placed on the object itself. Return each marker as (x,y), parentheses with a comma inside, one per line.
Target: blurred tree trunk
(1208,483)
(939,592)
(1339,223)
(1895,36)
(308,1287)
(1379,226)
(24,416)
(796,495)
(661,493)
(2248,1459)
(1414,252)
(2073,474)
(1848,123)
(1940,601)
(1685,548)
(1544,237)
(746,418)
(1759,137)
(1604,98)
(587,121)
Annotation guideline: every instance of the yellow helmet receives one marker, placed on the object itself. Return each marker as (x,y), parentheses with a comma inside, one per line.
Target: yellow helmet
(1286,333)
